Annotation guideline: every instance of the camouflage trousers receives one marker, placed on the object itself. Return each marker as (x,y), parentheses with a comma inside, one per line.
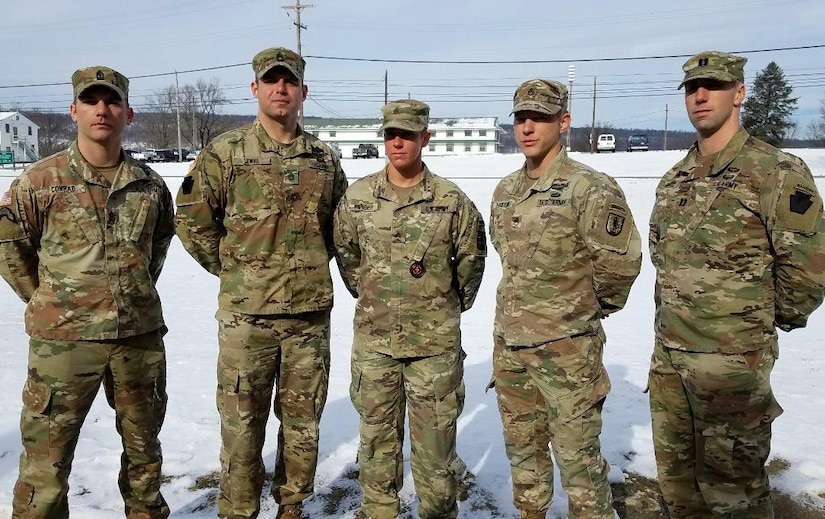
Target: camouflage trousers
(552,394)
(432,390)
(64,378)
(712,417)
(259,355)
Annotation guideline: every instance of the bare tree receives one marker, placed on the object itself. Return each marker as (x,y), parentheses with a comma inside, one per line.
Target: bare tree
(816,128)
(56,130)
(200,112)
(158,121)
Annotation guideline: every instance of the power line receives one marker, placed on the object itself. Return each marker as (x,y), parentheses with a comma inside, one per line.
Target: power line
(449,62)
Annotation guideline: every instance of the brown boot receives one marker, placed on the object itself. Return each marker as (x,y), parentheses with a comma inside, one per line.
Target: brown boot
(295,511)
(533,514)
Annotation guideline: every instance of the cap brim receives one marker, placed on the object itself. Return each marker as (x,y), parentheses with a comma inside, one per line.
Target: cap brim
(282,65)
(400,125)
(532,106)
(106,84)
(709,74)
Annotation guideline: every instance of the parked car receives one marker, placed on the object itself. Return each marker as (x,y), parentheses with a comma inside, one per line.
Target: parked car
(637,143)
(606,142)
(365,151)
(192,155)
(161,155)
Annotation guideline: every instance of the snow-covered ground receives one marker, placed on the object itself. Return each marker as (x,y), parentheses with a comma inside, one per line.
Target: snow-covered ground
(191,432)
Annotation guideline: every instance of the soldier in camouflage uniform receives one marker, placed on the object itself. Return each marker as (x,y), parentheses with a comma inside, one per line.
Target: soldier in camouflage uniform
(570,252)
(83,238)
(411,249)
(256,211)
(736,236)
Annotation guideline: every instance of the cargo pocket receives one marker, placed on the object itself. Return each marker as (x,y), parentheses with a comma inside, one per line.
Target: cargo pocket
(574,404)
(227,396)
(355,389)
(23,495)
(37,399)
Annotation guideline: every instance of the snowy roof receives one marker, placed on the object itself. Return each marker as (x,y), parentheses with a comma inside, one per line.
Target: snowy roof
(6,115)
(438,123)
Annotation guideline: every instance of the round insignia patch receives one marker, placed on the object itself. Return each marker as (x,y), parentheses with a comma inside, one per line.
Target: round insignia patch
(531,91)
(417,269)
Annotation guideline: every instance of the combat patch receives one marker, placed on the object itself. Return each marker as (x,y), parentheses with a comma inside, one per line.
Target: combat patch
(613,226)
(190,192)
(10,230)
(799,205)
(5,199)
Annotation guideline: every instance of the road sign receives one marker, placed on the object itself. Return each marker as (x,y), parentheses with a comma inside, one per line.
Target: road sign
(6,157)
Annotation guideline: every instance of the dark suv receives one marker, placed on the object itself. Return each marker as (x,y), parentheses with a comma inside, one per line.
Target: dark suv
(637,143)
(162,155)
(365,151)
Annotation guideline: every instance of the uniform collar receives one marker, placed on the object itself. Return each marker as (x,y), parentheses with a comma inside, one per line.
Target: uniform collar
(129,171)
(546,178)
(726,154)
(421,192)
(298,147)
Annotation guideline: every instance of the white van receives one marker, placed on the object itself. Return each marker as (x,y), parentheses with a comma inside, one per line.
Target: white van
(606,142)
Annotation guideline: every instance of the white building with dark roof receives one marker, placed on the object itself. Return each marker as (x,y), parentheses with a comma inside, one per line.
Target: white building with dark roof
(19,135)
(450,136)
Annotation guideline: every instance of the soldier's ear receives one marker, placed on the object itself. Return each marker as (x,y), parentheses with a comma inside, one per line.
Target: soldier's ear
(739,98)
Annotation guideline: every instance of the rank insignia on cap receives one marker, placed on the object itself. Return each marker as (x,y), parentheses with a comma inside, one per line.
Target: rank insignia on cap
(800,202)
(417,269)
(99,76)
(703,62)
(614,224)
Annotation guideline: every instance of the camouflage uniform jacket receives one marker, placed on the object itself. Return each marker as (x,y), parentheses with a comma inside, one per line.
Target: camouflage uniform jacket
(259,215)
(738,250)
(414,266)
(570,252)
(85,255)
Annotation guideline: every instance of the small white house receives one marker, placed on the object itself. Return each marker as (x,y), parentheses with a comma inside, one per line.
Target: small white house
(450,136)
(19,135)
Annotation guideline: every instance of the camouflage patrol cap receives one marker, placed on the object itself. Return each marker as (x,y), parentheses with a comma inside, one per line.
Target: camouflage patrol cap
(268,59)
(540,95)
(714,65)
(406,114)
(85,78)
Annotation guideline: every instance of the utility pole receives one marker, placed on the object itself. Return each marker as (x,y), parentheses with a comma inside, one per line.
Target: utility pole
(386,100)
(298,26)
(664,145)
(177,114)
(593,120)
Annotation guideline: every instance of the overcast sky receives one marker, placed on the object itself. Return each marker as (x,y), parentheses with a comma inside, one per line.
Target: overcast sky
(46,40)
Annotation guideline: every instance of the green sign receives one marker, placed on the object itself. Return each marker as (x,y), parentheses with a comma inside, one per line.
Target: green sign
(6,157)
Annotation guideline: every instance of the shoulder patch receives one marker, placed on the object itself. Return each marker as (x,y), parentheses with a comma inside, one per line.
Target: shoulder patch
(799,205)
(5,199)
(613,227)
(190,192)
(10,229)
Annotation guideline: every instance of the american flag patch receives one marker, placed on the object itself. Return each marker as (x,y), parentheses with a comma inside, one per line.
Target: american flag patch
(6,200)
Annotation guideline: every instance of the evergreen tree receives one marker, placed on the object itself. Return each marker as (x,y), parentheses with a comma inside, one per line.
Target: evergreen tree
(766,113)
